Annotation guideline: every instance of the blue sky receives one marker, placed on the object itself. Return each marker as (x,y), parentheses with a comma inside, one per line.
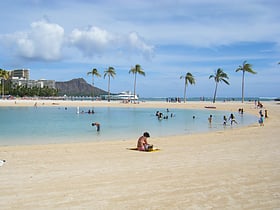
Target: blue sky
(65,39)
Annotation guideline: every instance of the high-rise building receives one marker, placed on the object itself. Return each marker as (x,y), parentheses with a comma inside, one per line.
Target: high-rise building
(20,73)
(20,77)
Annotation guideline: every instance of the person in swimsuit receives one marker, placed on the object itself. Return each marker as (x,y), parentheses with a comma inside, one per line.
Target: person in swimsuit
(210,119)
(97,126)
(142,143)
(261,120)
(232,119)
(225,120)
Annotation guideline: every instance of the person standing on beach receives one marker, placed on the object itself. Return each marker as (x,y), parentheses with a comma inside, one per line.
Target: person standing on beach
(261,120)
(260,112)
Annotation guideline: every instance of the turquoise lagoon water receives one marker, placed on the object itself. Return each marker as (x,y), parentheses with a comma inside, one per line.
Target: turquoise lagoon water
(44,125)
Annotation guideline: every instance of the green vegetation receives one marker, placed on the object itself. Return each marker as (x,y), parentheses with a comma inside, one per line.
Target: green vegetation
(93,72)
(219,76)
(110,72)
(189,78)
(8,89)
(4,75)
(246,67)
(136,70)
(22,91)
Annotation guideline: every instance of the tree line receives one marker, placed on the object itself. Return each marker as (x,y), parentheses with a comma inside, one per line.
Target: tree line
(111,73)
(219,76)
(7,88)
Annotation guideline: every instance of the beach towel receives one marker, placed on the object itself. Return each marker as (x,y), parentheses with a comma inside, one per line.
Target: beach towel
(135,149)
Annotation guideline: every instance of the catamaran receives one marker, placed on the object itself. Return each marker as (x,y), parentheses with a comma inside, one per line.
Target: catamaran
(125,95)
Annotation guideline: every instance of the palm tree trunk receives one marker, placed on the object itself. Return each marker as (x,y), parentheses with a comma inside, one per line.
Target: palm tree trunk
(134,86)
(214,99)
(185,93)
(3,88)
(92,87)
(109,88)
(243,86)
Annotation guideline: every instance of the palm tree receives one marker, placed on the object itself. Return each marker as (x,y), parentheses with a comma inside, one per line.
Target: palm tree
(110,72)
(219,76)
(4,75)
(246,67)
(136,70)
(93,72)
(188,79)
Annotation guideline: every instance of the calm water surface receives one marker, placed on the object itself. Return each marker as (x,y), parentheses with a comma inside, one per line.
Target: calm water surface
(42,125)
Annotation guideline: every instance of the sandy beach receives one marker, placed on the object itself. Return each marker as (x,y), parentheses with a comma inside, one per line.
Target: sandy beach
(234,169)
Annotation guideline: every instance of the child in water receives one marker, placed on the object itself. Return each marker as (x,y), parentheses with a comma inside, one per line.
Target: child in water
(225,120)
(232,119)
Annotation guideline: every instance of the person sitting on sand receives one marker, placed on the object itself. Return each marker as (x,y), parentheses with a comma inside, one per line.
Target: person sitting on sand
(142,143)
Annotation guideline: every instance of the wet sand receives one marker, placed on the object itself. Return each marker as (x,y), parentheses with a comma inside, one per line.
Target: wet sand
(233,169)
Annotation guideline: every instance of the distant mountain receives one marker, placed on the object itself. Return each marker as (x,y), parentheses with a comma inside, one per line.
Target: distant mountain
(77,87)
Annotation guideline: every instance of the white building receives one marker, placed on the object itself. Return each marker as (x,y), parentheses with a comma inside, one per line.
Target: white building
(20,77)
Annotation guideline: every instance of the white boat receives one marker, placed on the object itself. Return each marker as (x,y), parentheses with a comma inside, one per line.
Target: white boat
(125,95)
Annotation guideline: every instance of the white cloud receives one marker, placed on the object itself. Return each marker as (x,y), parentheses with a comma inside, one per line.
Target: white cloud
(95,41)
(44,41)
(136,42)
(91,41)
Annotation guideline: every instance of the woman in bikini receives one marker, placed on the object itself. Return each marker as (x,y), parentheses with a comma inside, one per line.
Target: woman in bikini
(142,143)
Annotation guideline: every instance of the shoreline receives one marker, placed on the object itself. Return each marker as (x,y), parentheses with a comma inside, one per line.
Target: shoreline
(219,105)
(233,169)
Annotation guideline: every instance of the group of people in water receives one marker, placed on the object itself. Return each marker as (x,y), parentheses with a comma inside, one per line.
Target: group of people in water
(240,111)
(161,116)
(86,112)
(142,142)
(231,119)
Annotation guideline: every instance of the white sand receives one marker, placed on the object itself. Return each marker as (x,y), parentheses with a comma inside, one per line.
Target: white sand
(233,169)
